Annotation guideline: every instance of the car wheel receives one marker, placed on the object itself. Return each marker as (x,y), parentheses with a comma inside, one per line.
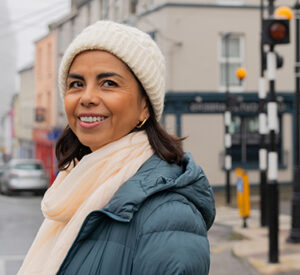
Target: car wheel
(4,190)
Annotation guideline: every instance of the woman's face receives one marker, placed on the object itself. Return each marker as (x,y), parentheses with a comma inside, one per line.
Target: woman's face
(103,102)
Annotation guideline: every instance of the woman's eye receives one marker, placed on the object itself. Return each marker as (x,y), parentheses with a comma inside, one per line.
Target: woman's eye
(109,83)
(75,84)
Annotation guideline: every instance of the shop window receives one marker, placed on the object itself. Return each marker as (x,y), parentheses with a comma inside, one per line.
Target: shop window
(246,141)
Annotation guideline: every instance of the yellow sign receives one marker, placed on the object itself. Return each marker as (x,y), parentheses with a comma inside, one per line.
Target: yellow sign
(243,194)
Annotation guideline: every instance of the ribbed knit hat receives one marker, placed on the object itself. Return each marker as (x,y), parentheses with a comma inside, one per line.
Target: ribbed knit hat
(134,47)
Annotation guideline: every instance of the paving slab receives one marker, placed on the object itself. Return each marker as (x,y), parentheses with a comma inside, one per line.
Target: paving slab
(253,246)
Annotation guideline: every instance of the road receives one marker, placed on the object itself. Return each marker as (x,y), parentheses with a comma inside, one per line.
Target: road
(223,262)
(20,219)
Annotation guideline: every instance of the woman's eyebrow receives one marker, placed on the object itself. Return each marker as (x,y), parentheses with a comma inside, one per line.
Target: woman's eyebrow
(108,74)
(77,76)
(99,76)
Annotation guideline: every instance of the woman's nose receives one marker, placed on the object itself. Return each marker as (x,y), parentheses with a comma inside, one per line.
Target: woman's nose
(90,97)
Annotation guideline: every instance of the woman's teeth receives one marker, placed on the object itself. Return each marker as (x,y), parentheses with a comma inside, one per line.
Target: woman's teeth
(90,119)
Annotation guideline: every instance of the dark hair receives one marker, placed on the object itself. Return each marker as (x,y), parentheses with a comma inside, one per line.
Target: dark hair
(169,148)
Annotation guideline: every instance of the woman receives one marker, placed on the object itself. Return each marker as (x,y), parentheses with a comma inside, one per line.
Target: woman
(127,199)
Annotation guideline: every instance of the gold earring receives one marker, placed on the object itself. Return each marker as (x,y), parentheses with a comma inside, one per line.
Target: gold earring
(141,123)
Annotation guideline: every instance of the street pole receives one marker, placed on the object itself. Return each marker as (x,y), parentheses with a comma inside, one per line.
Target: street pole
(272,185)
(262,118)
(295,230)
(227,122)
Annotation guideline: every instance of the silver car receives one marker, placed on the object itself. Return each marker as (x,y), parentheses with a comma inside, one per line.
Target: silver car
(24,175)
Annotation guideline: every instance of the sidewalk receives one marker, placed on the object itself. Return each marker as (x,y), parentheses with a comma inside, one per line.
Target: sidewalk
(251,244)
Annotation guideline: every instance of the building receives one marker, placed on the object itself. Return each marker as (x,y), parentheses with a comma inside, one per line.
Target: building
(47,117)
(25,114)
(7,125)
(193,36)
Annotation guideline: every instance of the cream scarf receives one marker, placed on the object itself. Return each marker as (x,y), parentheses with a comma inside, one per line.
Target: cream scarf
(78,191)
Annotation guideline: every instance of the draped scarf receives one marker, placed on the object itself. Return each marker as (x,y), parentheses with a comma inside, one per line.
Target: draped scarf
(76,192)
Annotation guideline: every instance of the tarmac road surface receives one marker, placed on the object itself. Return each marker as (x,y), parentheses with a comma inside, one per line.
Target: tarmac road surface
(20,218)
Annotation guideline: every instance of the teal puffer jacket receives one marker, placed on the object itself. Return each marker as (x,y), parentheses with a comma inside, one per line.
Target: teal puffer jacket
(156,223)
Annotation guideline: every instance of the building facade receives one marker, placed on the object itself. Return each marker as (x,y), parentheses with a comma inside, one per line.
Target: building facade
(193,36)
(25,114)
(46,129)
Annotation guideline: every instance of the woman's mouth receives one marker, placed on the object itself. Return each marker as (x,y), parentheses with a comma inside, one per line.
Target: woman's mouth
(90,121)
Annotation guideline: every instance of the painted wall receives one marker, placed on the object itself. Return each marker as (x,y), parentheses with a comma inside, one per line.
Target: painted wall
(46,79)
(190,39)
(26,103)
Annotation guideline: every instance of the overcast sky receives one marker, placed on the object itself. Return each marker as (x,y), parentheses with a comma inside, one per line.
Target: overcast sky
(30,19)
(22,22)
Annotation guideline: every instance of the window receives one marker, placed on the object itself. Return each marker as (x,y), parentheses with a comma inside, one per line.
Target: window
(117,10)
(49,59)
(104,9)
(153,35)
(246,141)
(133,5)
(231,57)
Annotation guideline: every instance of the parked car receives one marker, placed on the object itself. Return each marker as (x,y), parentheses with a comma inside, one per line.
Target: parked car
(1,171)
(24,175)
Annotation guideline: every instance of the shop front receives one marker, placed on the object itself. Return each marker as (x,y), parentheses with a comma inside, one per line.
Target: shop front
(44,140)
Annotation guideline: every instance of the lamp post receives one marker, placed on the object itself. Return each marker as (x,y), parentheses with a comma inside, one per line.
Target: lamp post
(227,122)
(295,229)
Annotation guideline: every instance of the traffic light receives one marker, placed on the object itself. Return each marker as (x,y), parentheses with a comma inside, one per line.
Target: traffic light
(279,61)
(276,31)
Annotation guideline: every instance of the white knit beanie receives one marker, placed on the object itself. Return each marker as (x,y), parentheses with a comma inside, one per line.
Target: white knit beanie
(134,47)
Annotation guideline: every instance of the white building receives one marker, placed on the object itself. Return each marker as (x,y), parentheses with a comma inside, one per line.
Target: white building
(191,36)
(24,114)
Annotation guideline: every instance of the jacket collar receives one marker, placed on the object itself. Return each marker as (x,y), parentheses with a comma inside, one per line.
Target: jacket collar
(157,175)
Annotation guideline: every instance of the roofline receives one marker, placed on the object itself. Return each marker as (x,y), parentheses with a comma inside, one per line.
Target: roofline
(196,5)
(26,68)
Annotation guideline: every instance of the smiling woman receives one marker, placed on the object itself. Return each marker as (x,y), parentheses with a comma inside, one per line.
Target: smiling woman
(102,102)
(128,200)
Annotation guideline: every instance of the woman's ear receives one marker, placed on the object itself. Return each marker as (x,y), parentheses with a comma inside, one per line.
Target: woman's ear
(144,109)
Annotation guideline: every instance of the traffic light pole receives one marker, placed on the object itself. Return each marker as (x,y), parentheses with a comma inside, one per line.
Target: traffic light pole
(272,185)
(295,230)
(227,122)
(262,130)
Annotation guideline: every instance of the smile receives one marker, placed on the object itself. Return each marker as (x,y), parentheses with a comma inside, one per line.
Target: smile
(89,121)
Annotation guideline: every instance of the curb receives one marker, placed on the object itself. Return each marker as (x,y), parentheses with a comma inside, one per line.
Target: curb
(254,246)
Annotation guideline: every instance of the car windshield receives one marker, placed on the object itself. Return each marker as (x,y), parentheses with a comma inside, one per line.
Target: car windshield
(28,166)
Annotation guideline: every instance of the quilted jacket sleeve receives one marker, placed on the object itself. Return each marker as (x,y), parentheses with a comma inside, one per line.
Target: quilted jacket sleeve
(173,241)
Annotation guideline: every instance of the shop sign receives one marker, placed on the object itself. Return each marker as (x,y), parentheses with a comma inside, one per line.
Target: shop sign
(220,107)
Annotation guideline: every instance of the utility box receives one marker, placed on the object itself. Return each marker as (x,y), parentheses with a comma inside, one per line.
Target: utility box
(243,195)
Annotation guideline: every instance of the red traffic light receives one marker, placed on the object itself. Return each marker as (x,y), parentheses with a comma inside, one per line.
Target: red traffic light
(278,31)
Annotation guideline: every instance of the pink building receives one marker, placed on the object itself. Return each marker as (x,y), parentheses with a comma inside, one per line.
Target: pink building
(46,131)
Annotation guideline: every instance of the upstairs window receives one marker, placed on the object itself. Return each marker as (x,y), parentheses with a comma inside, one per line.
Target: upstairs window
(231,57)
